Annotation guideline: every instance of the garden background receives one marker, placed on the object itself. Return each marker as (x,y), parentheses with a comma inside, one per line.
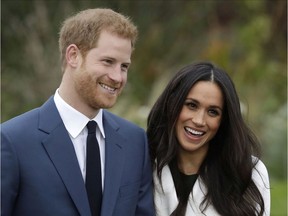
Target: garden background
(246,37)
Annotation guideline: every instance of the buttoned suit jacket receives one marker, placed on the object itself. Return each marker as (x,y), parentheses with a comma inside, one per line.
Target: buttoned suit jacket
(40,174)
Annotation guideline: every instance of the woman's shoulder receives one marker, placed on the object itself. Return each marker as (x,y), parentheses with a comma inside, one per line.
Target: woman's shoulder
(261,179)
(260,173)
(259,165)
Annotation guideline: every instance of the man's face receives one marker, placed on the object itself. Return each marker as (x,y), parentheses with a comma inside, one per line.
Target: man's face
(103,73)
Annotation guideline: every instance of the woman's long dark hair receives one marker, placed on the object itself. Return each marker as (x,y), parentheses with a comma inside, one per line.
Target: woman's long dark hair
(227,168)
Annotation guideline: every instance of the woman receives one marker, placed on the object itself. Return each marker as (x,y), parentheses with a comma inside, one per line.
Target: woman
(205,158)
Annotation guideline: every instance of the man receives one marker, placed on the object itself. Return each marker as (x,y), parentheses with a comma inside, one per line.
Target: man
(43,152)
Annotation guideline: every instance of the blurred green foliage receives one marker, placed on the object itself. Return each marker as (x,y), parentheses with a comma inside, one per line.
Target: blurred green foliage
(248,38)
(279,198)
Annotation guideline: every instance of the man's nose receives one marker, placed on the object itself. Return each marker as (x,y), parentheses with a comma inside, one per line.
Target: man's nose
(116,74)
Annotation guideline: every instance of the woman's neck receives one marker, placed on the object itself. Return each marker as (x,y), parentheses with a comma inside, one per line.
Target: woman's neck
(189,163)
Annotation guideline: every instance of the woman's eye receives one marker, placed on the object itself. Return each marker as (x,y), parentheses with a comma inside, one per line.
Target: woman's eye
(213,112)
(191,105)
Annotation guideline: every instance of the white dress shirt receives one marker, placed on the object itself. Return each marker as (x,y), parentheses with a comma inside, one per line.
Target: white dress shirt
(75,123)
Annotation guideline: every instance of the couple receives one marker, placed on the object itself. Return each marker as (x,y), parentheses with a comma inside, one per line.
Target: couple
(200,148)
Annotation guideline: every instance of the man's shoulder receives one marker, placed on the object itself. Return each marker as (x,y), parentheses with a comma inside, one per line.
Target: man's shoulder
(22,120)
(119,120)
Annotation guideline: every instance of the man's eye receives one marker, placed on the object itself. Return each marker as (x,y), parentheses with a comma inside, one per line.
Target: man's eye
(124,67)
(107,61)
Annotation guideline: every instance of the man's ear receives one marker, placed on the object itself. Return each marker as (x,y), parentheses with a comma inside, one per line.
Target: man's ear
(73,56)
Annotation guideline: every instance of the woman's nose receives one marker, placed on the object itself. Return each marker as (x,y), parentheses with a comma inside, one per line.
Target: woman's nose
(199,119)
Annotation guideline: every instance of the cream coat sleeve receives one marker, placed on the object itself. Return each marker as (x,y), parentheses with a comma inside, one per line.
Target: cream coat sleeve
(261,178)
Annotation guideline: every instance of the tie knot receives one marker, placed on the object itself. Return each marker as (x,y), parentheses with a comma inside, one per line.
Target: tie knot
(91,125)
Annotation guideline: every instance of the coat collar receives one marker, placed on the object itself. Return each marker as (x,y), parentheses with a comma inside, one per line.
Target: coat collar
(166,200)
(56,141)
(114,163)
(60,149)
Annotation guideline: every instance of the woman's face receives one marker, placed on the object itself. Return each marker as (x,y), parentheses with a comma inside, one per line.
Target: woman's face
(200,117)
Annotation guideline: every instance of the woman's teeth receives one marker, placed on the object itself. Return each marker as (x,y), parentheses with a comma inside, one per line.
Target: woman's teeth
(194,132)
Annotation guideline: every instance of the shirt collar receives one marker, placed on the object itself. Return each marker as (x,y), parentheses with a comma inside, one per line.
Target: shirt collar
(74,120)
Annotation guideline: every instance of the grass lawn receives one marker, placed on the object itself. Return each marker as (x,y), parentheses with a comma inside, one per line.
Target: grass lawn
(278,198)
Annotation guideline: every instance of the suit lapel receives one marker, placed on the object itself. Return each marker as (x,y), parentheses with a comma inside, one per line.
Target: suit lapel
(62,154)
(114,162)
